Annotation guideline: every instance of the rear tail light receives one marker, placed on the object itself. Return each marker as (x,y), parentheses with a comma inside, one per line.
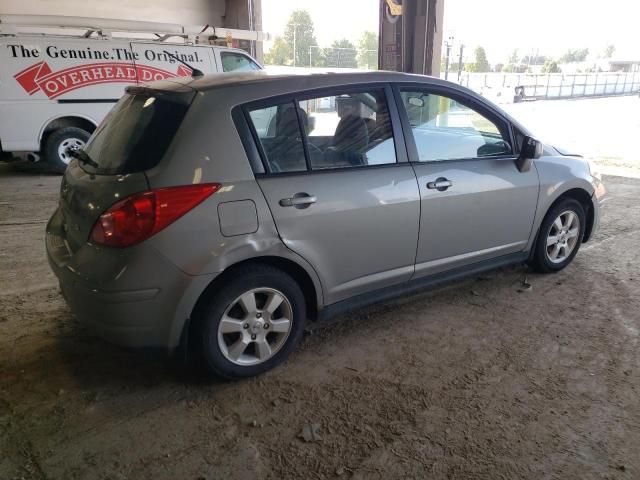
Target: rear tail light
(142,215)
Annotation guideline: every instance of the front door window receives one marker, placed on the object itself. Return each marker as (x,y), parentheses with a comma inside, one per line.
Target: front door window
(444,129)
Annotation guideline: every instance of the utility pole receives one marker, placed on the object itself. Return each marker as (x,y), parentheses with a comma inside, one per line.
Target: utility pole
(295,28)
(529,58)
(460,62)
(448,44)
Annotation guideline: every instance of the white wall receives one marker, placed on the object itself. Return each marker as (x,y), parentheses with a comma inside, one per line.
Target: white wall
(186,12)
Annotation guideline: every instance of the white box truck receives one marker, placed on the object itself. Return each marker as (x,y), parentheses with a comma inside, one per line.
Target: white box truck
(55,88)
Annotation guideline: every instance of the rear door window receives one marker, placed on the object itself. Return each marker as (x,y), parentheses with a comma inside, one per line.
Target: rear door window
(137,132)
(279,133)
(339,130)
(348,130)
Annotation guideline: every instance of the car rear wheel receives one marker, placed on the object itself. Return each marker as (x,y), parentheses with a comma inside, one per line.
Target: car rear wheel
(252,323)
(560,236)
(61,143)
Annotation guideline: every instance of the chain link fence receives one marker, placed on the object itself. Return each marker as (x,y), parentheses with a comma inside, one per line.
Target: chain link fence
(526,86)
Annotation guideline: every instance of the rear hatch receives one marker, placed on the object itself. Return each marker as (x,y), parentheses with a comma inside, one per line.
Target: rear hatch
(132,139)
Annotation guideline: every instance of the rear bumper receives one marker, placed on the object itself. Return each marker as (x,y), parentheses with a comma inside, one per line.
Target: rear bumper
(123,318)
(133,297)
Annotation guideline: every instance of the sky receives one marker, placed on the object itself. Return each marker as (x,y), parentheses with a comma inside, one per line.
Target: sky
(333,19)
(550,26)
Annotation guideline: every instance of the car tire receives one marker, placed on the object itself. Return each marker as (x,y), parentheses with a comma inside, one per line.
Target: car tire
(59,142)
(226,323)
(559,237)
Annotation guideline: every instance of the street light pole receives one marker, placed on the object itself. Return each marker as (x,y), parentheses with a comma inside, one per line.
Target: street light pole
(460,62)
(448,44)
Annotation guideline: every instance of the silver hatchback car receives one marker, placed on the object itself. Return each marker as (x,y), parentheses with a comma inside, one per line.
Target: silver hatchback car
(222,212)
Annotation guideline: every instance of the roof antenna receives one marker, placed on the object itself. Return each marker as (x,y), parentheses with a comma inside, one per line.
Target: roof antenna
(194,71)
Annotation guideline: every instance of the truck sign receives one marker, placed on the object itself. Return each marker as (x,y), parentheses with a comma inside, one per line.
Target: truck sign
(41,78)
(57,69)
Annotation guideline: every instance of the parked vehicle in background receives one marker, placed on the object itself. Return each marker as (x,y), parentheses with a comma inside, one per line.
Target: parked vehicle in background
(56,88)
(220,213)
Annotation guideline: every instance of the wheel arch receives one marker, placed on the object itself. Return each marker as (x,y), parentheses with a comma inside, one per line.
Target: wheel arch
(297,272)
(56,123)
(312,297)
(583,197)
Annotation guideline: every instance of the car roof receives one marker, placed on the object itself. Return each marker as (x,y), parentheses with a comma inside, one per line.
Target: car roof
(310,80)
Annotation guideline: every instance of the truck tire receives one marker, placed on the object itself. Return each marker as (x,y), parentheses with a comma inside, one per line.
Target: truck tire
(60,142)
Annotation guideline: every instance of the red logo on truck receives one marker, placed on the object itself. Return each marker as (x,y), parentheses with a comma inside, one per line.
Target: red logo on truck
(40,76)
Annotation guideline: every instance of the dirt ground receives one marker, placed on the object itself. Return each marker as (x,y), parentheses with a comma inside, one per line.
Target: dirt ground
(482,379)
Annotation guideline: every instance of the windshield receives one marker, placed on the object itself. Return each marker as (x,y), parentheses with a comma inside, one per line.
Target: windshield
(137,132)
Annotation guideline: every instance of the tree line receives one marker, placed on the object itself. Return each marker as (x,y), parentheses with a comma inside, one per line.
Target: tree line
(298,47)
(518,64)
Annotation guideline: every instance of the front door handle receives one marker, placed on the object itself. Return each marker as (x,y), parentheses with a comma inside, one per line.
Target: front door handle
(441,184)
(299,200)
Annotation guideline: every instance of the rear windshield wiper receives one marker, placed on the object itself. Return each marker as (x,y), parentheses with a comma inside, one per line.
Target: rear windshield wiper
(83,157)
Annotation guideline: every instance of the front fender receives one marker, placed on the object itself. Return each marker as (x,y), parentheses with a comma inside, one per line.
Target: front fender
(559,174)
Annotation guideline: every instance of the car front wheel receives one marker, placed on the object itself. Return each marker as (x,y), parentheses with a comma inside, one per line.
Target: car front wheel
(560,236)
(252,323)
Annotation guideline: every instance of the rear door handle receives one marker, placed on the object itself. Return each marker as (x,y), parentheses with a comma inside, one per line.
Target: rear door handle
(441,184)
(299,200)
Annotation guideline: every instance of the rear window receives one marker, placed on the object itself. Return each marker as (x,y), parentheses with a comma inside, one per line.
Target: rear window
(137,132)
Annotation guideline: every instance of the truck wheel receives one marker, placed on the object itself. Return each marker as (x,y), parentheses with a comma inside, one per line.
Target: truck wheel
(60,143)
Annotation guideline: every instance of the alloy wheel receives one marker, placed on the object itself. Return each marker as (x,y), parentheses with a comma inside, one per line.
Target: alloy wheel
(562,237)
(255,326)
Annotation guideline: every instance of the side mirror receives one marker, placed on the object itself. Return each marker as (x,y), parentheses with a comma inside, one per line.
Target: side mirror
(530,150)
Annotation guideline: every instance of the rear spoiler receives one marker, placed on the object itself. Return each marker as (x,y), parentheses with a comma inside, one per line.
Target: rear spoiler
(140,90)
(157,88)
(184,97)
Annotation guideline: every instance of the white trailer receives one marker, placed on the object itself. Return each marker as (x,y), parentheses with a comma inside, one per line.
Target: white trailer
(59,76)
